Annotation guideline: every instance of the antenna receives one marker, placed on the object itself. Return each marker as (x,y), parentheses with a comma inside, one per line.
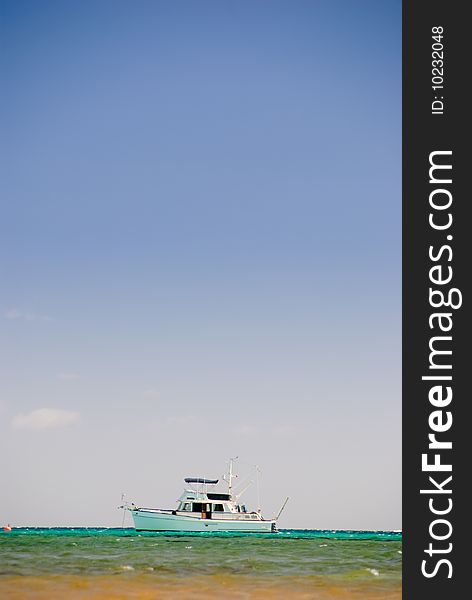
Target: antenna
(258,487)
(280,511)
(229,477)
(239,494)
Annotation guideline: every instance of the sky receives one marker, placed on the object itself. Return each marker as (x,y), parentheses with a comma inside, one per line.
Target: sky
(200,252)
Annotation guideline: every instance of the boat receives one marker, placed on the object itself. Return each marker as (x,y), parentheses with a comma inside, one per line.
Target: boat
(202,507)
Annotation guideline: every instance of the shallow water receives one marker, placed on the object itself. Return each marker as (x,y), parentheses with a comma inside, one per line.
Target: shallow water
(120,563)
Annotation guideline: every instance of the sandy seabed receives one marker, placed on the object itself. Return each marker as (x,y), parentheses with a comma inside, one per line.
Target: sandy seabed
(198,588)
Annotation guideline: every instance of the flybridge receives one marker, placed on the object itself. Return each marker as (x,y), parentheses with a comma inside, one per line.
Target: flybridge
(200,480)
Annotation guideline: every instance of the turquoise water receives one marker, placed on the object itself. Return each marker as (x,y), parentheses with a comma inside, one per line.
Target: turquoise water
(35,551)
(330,560)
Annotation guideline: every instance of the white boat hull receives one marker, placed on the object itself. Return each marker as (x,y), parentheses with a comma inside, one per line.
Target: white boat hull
(154,520)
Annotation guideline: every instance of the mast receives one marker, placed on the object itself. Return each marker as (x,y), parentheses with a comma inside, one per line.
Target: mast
(230,474)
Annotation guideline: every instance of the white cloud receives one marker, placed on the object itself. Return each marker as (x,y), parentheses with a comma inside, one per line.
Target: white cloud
(17,314)
(44,418)
(14,313)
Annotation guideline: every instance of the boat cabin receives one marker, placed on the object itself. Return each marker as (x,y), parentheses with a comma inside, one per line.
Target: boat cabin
(199,501)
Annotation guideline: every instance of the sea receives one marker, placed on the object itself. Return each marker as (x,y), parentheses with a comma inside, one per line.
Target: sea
(99,563)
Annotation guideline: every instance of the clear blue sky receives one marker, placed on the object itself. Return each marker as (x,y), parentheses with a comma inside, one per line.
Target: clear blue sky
(200,242)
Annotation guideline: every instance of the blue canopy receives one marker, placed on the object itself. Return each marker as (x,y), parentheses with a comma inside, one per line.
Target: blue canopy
(200,480)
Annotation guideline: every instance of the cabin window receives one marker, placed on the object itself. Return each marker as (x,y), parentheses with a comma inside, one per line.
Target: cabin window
(217,508)
(211,496)
(243,508)
(197,507)
(186,506)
